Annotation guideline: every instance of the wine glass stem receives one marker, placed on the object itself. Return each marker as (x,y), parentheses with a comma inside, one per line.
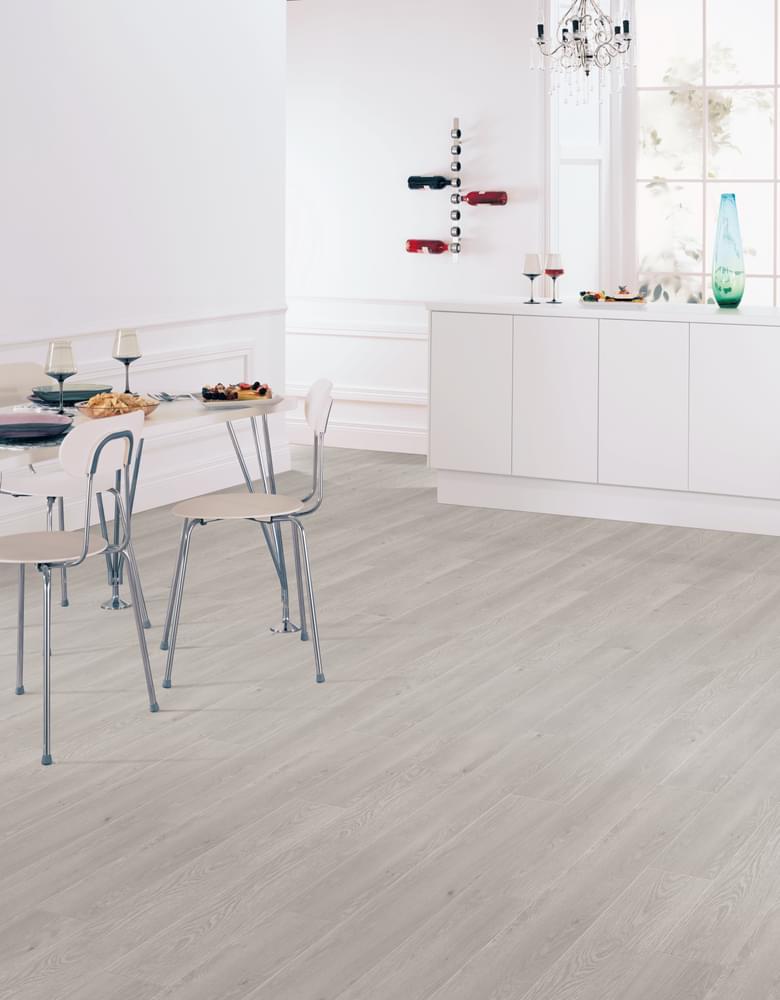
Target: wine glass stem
(62,396)
(555,287)
(127,376)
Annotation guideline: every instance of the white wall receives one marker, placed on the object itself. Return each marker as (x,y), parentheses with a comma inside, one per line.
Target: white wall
(372,89)
(142,184)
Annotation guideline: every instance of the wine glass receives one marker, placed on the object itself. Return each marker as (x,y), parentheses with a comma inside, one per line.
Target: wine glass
(532,268)
(60,364)
(127,350)
(554,269)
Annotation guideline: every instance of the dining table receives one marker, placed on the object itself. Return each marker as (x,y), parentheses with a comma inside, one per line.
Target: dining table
(174,416)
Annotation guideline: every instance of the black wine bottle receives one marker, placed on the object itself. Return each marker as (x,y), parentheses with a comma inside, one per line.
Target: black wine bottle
(436,183)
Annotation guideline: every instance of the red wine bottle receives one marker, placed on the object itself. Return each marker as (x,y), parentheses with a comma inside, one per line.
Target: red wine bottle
(435,183)
(485,198)
(426,246)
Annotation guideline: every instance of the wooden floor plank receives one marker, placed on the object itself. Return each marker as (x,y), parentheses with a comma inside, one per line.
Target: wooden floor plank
(544,765)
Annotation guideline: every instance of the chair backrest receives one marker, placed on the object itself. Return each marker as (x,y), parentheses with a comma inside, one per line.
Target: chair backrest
(18,378)
(80,445)
(319,400)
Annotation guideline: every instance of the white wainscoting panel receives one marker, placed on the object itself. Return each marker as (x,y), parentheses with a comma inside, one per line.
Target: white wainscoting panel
(177,358)
(376,354)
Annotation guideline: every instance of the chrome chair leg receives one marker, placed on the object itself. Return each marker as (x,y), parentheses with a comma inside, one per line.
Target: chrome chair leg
(174,627)
(20,635)
(174,587)
(46,574)
(299,582)
(130,554)
(64,602)
(315,634)
(135,590)
(287,625)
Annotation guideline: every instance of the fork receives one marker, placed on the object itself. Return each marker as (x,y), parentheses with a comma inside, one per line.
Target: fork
(167,397)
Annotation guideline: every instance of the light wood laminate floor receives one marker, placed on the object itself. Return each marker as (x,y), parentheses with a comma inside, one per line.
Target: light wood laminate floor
(545,765)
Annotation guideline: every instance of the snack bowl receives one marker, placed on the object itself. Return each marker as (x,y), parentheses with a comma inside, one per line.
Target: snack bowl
(110,409)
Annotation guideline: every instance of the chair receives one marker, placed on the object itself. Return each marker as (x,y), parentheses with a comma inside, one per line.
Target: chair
(92,455)
(53,486)
(16,381)
(264,508)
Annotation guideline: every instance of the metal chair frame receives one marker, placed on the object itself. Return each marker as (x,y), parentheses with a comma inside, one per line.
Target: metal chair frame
(120,547)
(272,529)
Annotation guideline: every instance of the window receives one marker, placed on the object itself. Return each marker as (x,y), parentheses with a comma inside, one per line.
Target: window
(589,185)
(707,94)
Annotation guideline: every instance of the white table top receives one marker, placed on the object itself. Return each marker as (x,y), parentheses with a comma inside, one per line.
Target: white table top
(169,418)
(651,312)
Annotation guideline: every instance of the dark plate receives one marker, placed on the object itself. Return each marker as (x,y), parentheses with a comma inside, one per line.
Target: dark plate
(32,442)
(23,426)
(77,392)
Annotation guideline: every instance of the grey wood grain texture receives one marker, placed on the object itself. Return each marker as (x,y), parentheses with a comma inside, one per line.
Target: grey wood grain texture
(545,765)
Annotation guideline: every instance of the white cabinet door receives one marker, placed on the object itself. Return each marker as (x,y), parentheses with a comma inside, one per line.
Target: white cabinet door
(555,423)
(643,404)
(735,410)
(471,392)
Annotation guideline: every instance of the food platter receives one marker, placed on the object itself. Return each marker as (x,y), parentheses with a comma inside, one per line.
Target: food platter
(237,404)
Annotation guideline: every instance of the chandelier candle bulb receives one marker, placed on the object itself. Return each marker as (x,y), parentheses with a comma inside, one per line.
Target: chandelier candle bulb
(586,38)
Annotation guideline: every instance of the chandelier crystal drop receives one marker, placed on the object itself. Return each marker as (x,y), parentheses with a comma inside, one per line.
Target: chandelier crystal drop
(585,39)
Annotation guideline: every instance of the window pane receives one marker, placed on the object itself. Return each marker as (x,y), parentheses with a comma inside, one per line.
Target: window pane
(669,42)
(678,288)
(740,49)
(741,134)
(669,226)
(671,124)
(755,204)
(579,201)
(578,124)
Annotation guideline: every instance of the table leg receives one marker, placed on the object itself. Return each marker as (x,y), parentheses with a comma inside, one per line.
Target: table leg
(115,601)
(272,534)
(286,624)
(115,563)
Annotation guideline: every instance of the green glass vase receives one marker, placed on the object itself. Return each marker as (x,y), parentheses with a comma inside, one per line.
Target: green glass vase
(728,261)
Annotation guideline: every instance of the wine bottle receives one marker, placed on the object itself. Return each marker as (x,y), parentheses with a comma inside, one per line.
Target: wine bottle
(485,198)
(436,183)
(426,246)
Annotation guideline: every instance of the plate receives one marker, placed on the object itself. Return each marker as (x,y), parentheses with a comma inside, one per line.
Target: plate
(32,426)
(237,404)
(77,392)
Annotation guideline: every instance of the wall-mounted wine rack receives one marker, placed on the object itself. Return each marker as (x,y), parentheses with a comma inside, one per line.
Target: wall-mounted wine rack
(440,182)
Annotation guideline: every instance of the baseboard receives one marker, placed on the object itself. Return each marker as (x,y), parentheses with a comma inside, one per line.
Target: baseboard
(616,503)
(364,436)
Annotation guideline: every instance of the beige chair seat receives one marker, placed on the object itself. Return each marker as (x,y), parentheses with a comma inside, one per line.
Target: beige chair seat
(237,506)
(24,483)
(49,547)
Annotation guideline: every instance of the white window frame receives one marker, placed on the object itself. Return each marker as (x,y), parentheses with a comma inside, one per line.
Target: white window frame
(615,157)
(631,143)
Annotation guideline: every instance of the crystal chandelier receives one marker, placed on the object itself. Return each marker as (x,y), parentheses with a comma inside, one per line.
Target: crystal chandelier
(586,38)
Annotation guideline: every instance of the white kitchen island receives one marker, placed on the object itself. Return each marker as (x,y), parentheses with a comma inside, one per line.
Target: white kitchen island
(669,415)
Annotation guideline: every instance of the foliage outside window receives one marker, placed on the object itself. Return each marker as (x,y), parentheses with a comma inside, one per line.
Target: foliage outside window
(707,94)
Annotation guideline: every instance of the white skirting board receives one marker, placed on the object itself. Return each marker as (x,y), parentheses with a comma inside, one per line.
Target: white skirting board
(376,354)
(366,436)
(618,503)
